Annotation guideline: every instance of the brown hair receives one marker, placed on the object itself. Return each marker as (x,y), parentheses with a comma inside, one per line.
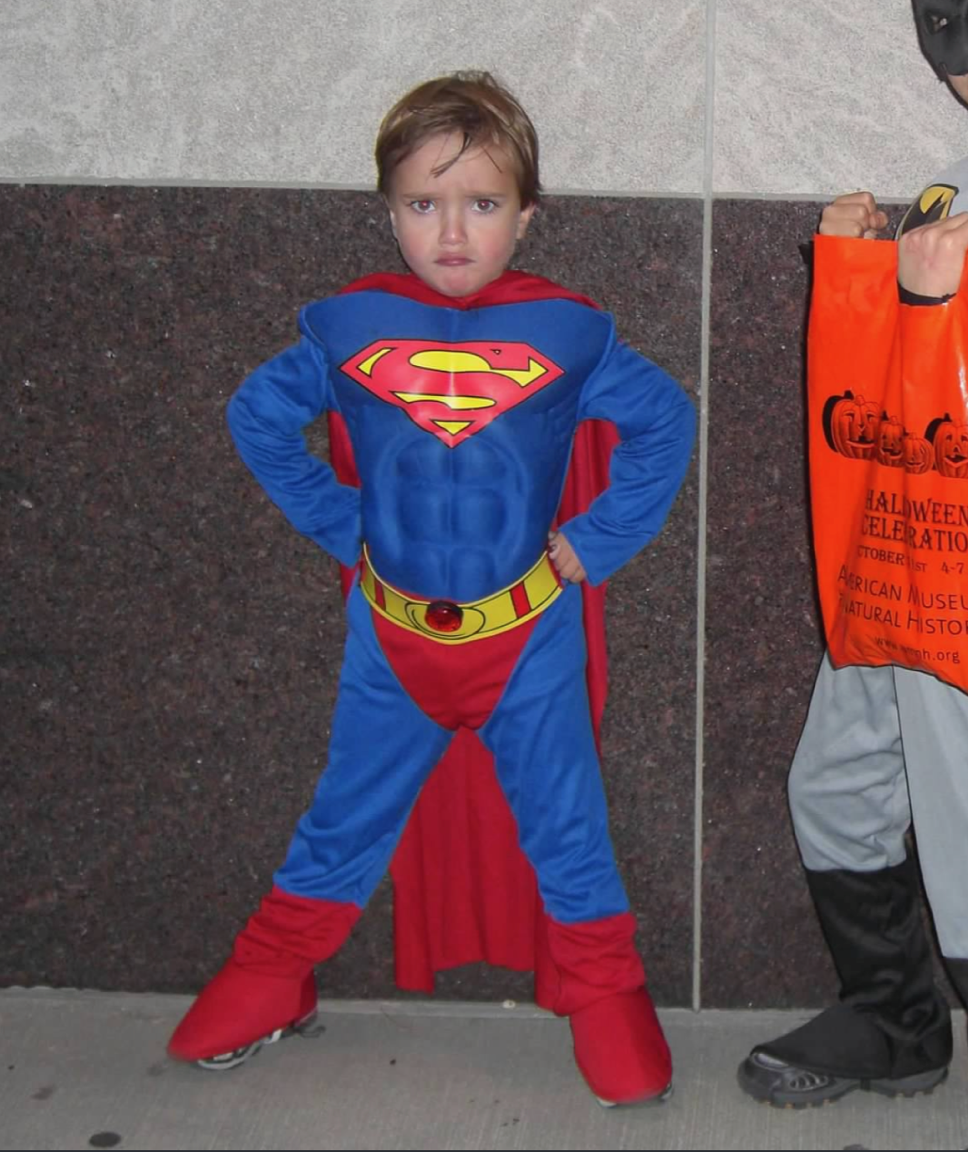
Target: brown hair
(474,106)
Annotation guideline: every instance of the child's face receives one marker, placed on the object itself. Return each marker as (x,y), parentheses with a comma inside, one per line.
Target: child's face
(457,231)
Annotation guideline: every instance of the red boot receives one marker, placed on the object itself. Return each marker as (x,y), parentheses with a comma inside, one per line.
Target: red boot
(592,973)
(240,1010)
(267,987)
(621,1051)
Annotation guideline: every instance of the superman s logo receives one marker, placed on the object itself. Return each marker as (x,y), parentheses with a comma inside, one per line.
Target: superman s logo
(452,390)
(933,204)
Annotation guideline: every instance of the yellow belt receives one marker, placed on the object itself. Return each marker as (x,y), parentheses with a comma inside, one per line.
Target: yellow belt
(452,623)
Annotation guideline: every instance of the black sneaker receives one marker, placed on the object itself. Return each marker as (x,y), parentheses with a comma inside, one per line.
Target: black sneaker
(839,1051)
(307,1028)
(783,1085)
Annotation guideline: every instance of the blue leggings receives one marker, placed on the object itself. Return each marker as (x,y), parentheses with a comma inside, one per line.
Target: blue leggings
(383,748)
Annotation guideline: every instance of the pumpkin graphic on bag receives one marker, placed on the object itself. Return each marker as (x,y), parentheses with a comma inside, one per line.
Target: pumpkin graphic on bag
(950,442)
(890,442)
(918,454)
(850,425)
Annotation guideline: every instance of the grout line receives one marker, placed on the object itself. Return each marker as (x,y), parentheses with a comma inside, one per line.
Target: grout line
(316,185)
(803,197)
(704,385)
(321,186)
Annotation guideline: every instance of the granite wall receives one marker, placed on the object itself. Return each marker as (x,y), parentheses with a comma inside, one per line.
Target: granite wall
(178,179)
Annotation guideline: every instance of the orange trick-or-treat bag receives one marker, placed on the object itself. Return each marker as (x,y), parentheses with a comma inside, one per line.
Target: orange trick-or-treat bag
(887,399)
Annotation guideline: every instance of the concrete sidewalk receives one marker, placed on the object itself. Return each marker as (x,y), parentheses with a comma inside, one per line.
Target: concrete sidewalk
(83,1069)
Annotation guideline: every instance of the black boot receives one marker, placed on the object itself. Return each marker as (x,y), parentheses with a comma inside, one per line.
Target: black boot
(891,1031)
(958,975)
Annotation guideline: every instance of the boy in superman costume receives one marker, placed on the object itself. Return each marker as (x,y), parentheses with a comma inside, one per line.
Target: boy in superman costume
(457,392)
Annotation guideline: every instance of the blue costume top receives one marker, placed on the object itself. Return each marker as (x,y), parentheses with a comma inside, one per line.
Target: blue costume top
(462,422)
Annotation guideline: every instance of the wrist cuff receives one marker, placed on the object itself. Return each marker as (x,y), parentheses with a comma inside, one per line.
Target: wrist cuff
(907,297)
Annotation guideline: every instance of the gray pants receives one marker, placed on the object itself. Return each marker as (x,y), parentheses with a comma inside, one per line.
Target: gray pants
(883,746)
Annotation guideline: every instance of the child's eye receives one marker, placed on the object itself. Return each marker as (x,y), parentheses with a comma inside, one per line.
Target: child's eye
(422,206)
(484,205)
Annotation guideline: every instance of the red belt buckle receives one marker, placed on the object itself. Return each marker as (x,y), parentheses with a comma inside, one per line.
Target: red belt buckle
(443,616)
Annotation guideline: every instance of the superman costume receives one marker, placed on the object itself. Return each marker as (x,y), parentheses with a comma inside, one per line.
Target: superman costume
(458,419)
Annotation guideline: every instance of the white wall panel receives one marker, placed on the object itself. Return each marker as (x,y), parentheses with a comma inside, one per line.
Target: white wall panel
(291,91)
(821,97)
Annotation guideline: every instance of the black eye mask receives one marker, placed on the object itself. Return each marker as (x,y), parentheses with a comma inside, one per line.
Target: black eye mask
(943,32)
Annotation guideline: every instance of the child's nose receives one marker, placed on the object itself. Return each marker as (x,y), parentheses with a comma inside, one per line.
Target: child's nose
(452,228)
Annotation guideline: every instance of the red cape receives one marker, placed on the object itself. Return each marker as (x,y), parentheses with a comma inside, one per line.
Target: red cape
(463,889)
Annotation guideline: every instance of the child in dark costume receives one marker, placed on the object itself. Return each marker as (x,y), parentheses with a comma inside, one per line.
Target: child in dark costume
(884,744)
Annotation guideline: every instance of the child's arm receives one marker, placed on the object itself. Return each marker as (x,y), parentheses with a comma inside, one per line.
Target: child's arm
(656,422)
(565,559)
(930,259)
(855,214)
(266,417)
